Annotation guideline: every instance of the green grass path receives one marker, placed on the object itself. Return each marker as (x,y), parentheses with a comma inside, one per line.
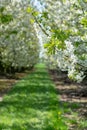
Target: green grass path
(31,104)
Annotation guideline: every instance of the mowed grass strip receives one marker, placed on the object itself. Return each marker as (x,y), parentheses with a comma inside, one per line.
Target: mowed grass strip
(31,104)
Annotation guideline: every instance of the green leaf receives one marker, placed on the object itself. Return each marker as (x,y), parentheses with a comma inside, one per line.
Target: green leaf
(6,18)
(84,22)
(29,10)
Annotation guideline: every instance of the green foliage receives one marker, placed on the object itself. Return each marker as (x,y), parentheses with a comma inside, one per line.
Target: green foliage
(29,9)
(57,41)
(76,44)
(44,14)
(84,22)
(60,34)
(32,11)
(53,45)
(50,47)
(2,9)
(85,1)
(5,18)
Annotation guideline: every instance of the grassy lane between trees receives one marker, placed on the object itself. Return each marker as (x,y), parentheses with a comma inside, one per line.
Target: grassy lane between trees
(32,104)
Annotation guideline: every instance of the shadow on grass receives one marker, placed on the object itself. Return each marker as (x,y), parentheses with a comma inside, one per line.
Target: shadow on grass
(75,114)
(73,100)
(31,104)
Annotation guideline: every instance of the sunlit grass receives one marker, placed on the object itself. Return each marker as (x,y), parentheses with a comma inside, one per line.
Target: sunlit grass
(32,104)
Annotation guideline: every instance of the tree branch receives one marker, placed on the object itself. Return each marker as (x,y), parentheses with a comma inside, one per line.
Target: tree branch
(40,26)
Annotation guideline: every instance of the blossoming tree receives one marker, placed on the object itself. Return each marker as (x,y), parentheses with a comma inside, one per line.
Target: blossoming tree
(65,23)
(18,41)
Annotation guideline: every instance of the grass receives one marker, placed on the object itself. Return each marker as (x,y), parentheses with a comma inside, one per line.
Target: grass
(74,120)
(32,104)
(73,107)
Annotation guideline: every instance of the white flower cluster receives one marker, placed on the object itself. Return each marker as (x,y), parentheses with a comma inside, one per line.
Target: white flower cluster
(18,41)
(70,16)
